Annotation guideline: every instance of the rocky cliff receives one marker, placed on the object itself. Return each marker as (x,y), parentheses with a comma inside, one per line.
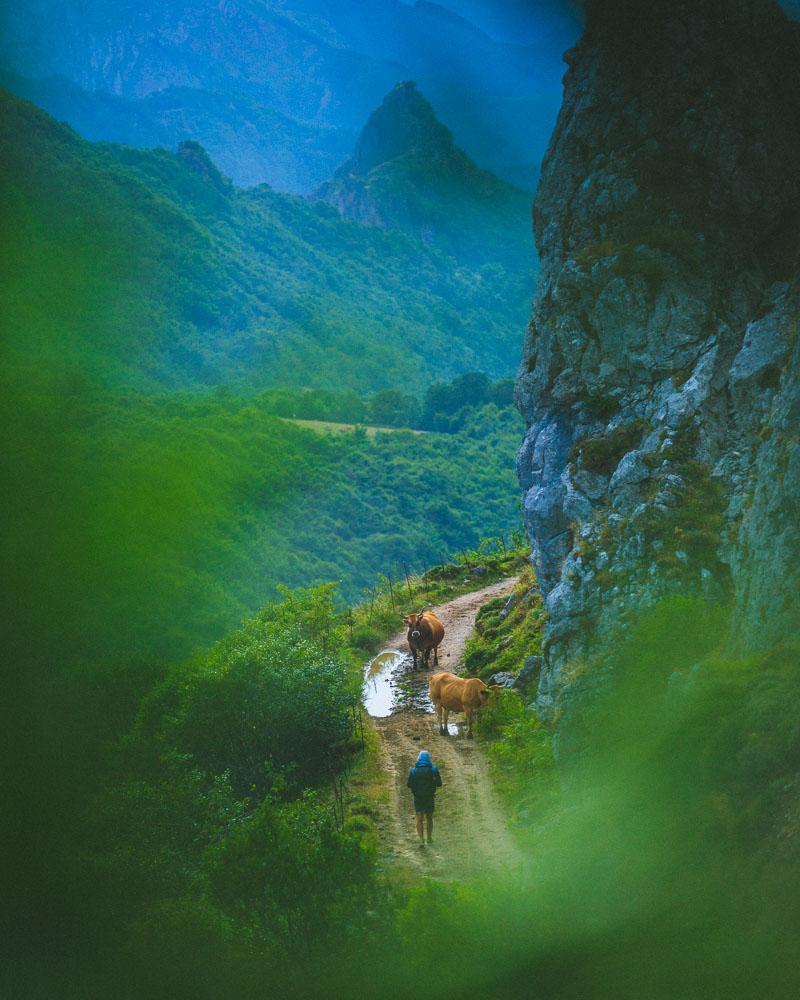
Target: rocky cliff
(661,375)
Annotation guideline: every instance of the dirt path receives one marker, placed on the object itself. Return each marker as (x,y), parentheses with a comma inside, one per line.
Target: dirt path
(470,832)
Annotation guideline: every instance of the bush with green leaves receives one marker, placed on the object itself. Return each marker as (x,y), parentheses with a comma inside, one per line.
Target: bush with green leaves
(273,699)
(314,404)
(288,873)
(448,406)
(393,408)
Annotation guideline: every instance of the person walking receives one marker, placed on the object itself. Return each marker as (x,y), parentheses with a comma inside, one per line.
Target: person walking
(423,780)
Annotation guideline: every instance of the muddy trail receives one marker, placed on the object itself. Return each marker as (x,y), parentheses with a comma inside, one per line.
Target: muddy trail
(470,833)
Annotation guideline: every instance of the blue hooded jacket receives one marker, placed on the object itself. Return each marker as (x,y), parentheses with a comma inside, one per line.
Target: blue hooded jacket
(424,777)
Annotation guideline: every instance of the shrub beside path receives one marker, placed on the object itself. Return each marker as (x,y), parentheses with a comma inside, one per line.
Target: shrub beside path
(471,835)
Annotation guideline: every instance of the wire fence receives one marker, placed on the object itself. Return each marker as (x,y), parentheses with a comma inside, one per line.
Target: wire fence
(406,583)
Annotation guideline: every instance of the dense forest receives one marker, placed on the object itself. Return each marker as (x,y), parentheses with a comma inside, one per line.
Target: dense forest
(175,516)
(147,267)
(446,406)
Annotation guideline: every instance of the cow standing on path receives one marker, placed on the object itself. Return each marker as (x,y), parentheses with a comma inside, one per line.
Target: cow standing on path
(458,694)
(425,633)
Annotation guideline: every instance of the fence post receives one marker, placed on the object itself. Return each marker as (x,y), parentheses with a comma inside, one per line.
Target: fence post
(408,583)
(360,720)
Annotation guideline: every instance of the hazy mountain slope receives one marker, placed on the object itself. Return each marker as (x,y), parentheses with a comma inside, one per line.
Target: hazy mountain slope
(520,21)
(406,173)
(317,62)
(148,266)
(251,142)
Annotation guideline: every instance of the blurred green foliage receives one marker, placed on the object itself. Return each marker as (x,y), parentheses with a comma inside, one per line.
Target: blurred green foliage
(188,803)
(204,856)
(663,862)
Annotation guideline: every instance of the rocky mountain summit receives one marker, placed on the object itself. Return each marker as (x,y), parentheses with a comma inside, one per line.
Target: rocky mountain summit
(661,376)
(404,125)
(404,128)
(407,173)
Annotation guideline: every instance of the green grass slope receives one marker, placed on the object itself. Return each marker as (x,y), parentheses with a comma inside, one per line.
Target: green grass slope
(147,526)
(145,513)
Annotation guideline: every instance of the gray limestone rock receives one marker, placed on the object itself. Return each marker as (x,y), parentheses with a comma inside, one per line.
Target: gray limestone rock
(503,679)
(764,350)
(509,606)
(631,471)
(529,673)
(666,287)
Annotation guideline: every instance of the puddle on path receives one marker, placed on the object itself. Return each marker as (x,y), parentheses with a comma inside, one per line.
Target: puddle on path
(391,684)
(379,682)
(453,728)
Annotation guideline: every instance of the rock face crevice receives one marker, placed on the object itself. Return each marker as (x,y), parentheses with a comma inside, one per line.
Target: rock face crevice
(661,379)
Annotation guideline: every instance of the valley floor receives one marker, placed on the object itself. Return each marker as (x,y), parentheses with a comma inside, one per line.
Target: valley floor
(332,427)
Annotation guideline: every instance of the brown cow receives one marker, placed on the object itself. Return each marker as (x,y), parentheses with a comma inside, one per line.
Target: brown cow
(425,633)
(458,694)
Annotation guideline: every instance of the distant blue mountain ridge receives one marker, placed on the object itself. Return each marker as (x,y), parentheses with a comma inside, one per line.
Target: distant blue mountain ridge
(277,92)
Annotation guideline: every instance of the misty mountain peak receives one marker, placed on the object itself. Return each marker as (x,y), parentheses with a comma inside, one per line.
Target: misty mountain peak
(404,123)
(407,173)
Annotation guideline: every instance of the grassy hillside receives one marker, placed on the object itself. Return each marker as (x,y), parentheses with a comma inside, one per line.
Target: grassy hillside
(147,267)
(148,525)
(147,513)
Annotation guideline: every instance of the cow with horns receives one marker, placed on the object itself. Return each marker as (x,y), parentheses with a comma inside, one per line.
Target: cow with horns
(425,633)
